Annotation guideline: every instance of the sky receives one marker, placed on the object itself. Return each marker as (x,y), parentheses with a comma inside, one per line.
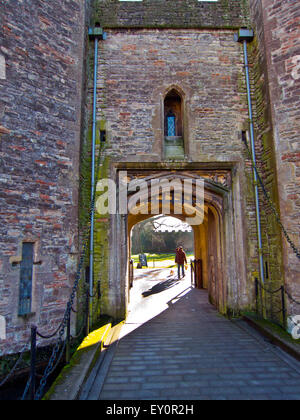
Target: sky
(171,224)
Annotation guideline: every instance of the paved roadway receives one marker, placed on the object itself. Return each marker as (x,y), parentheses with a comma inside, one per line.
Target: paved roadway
(175,346)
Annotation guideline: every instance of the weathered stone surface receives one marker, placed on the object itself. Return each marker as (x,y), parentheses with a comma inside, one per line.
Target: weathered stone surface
(174,14)
(279,34)
(151,47)
(137,68)
(41,62)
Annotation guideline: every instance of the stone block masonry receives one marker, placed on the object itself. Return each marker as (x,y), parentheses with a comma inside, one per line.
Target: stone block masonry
(137,67)
(152,47)
(280,49)
(271,233)
(172,14)
(41,62)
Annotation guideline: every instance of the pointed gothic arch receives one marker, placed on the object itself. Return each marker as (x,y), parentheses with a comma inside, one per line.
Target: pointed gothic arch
(208,234)
(173,111)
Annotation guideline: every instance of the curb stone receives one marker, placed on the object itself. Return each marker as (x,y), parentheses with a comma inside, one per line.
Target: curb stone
(68,384)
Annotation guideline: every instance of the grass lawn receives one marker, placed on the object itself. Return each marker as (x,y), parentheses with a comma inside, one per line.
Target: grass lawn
(160,260)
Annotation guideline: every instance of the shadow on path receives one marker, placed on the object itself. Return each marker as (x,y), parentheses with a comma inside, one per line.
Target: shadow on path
(160,287)
(189,351)
(149,272)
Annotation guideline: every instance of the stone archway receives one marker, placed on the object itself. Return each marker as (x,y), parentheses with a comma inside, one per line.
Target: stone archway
(216,238)
(208,238)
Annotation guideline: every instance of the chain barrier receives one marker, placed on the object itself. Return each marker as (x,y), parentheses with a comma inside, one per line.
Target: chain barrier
(196,273)
(272,292)
(282,289)
(192,273)
(267,196)
(291,298)
(46,337)
(59,357)
(80,331)
(57,354)
(271,311)
(61,329)
(66,317)
(26,389)
(279,315)
(50,367)
(14,368)
(74,337)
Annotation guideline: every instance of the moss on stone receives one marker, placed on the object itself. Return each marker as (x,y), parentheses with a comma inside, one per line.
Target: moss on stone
(89,343)
(276,330)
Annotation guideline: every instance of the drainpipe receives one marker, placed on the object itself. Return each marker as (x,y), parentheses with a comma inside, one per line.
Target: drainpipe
(245,36)
(95,33)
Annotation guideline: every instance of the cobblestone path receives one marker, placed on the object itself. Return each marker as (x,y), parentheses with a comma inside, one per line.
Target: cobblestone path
(190,352)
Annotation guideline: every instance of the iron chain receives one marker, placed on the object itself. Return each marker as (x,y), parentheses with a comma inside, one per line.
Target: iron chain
(291,298)
(51,364)
(14,367)
(266,194)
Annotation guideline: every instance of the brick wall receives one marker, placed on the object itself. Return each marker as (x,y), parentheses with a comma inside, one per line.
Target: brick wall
(265,151)
(171,13)
(136,69)
(41,61)
(151,46)
(279,32)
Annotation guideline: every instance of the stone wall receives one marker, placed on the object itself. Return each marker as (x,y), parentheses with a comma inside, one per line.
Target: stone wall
(41,62)
(152,46)
(171,13)
(278,30)
(137,67)
(265,153)
(136,70)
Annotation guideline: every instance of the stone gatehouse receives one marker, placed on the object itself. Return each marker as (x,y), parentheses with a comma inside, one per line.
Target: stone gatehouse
(171,102)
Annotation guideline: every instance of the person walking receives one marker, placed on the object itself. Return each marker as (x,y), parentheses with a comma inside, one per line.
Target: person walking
(180,260)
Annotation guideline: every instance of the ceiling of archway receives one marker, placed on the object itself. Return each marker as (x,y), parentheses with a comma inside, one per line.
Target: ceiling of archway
(219,177)
(169,204)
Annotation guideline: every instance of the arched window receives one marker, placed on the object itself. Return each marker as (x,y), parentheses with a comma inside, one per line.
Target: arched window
(173,130)
(173,114)
(171,124)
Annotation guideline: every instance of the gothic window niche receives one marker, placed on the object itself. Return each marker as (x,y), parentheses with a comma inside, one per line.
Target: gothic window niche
(26,278)
(173,126)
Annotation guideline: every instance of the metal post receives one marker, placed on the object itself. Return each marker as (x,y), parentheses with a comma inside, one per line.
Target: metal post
(258,222)
(200,273)
(96,33)
(87,319)
(33,361)
(68,340)
(256,294)
(99,290)
(91,279)
(283,306)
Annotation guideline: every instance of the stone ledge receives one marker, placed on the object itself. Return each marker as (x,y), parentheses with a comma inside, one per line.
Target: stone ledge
(279,337)
(68,384)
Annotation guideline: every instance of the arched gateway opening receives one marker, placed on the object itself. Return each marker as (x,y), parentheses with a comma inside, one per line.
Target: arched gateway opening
(207,224)
(220,240)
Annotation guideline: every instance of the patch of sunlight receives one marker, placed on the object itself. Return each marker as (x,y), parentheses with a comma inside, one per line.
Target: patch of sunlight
(94,337)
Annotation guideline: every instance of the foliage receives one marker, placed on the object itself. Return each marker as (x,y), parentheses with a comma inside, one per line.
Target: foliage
(160,260)
(146,239)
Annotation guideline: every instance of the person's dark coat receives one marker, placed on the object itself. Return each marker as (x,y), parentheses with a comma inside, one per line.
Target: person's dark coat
(180,256)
